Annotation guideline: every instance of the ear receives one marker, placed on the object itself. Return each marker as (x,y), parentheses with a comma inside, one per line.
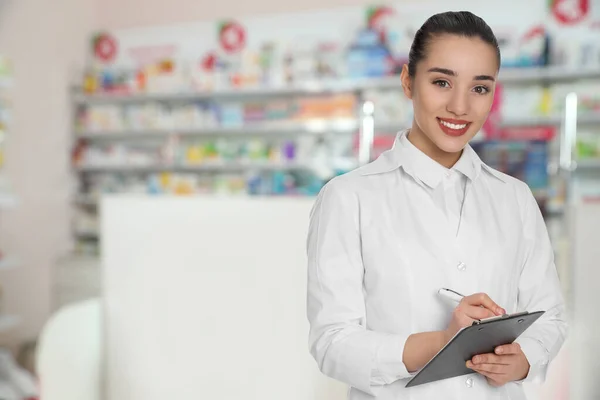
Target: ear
(406,82)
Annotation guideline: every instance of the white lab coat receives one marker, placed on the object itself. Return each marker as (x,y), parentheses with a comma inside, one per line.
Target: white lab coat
(384,238)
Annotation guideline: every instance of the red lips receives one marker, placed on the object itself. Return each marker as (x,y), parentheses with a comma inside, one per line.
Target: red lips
(454,121)
(454,132)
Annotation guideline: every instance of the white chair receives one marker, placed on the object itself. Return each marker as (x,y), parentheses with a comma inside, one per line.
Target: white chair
(70,348)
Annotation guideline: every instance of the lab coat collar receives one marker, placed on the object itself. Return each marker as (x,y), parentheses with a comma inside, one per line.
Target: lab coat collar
(418,165)
(402,155)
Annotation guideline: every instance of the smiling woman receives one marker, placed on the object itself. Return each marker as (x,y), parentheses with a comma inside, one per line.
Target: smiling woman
(429,214)
(450,77)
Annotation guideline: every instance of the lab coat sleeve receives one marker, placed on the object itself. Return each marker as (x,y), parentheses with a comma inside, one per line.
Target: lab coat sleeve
(539,290)
(339,341)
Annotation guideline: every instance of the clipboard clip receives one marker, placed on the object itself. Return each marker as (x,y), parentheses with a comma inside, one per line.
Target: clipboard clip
(499,317)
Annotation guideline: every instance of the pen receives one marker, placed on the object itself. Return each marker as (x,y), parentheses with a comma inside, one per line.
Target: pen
(451,294)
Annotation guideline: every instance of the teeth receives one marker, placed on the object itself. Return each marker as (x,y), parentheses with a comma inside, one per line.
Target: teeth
(452,126)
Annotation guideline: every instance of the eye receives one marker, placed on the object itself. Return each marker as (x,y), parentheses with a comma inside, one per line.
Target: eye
(441,83)
(481,89)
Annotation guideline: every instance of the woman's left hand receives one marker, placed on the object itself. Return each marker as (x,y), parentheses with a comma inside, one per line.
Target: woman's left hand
(506,365)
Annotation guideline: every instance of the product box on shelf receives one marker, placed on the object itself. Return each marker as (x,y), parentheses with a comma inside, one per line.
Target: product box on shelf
(528,101)
(588,144)
(265,166)
(588,96)
(184,184)
(150,115)
(525,160)
(523,47)
(576,48)
(391,107)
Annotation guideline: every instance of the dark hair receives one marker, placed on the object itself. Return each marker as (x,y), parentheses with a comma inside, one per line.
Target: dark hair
(461,23)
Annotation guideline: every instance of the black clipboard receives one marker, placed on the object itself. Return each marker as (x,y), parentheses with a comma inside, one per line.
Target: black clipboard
(482,337)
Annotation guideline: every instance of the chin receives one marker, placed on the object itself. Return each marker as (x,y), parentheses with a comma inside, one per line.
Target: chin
(451,144)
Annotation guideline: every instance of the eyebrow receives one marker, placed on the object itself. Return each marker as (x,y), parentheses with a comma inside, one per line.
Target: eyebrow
(484,78)
(449,72)
(444,71)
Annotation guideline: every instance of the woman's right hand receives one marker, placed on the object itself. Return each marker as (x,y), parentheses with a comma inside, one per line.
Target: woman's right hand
(471,308)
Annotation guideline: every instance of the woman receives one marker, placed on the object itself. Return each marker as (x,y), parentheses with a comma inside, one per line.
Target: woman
(429,214)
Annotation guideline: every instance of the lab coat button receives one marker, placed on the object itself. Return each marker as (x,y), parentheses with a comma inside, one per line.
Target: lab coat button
(469,382)
(461,266)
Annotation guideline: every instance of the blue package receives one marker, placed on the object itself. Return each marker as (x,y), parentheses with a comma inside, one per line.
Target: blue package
(368,56)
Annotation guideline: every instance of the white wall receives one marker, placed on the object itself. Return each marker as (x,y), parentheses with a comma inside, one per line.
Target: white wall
(45,40)
(586,318)
(117,14)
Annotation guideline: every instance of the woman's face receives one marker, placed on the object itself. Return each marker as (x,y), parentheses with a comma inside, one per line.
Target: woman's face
(452,92)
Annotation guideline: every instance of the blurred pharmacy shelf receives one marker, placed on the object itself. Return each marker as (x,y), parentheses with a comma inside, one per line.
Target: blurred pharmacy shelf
(204,167)
(236,94)
(317,127)
(583,119)
(114,149)
(591,164)
(507,76)
(588,119)
(553,74)
(306,128)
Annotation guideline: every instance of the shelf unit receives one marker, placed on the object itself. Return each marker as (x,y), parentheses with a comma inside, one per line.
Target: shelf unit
(541,75)
(518,76)
(548,75)
(205,167)
(588,165)
(316,128)
(345,127)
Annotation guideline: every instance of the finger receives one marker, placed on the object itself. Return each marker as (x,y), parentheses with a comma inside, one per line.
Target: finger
(476,312)
(497,369)
(482,299)
(492,377)
(513,348)
(490,358)
(461,317)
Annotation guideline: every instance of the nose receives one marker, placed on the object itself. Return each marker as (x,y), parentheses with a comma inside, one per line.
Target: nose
(458,104)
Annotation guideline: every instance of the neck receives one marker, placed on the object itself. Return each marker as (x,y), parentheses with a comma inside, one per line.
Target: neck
(423,143)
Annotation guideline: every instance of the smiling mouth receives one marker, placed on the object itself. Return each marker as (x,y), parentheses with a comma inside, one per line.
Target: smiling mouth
(454,127)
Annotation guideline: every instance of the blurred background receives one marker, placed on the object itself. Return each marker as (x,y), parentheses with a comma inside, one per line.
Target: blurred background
(159,160)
